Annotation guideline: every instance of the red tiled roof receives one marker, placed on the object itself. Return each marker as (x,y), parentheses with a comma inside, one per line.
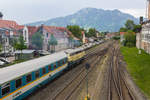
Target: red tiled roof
(65,29)
(10,24)
(122,33)
(32,29)
(20,27)
(68,32)
(48,29)
(57,31)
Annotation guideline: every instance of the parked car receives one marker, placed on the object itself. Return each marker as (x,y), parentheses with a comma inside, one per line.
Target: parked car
(43,53)
(5,60)
(5,54)
(2,63)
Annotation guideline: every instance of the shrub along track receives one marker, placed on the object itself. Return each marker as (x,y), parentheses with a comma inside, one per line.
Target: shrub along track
(54,89)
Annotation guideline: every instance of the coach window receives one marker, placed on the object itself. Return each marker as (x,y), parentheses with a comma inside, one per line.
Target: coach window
(28,78)
(5,89)
(54,66)
(49,67)
(18,83)
(37,74)
(63,61)
(59,63)
(43,70)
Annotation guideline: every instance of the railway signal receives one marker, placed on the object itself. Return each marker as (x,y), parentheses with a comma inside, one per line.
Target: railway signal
(87,66)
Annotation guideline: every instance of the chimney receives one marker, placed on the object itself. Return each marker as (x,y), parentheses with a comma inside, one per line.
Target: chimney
(1,16)
(148,9)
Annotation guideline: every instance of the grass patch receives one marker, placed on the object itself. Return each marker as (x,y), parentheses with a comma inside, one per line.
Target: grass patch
(139,67)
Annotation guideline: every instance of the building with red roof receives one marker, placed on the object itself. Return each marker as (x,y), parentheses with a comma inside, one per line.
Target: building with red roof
(61,34)
(9,29)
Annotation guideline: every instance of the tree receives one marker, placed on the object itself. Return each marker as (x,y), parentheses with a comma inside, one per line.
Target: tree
(137,28)
(37,40)
(130,39)
(92,32)
(13,42)
(52,42)
(71,41)
(21,44)
(76,30)
(129,25)
(123,29)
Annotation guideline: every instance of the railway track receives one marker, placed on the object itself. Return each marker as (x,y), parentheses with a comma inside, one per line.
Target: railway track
(63,95)
(118,88)
(52,90)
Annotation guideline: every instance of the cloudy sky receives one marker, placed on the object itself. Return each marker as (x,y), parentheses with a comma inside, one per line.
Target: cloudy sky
(25,11)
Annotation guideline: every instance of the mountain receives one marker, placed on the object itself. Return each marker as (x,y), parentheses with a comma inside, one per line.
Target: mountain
(102,20)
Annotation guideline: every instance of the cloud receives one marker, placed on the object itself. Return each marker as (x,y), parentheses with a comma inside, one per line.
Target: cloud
(25,11)
(135,12)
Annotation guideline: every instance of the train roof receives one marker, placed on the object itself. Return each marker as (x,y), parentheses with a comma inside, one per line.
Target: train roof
(70,51)
(14,71)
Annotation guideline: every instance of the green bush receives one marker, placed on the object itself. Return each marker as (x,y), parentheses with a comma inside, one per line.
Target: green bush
(130,39)
(116,37)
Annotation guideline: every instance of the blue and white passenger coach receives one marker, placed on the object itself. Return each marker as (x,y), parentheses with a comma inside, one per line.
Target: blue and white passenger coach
(19,80)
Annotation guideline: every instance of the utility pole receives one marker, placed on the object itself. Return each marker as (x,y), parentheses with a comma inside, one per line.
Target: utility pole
(140,35)
(87,66)
(4,43)
(148,8)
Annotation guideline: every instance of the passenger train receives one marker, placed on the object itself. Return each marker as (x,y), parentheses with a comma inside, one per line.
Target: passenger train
(19,80)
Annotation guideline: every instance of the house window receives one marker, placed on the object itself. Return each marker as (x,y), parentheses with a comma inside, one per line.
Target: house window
(5,89)
(37,74)
(25,35)
(43,70)
(47,35)
(28,78)
(18,83)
